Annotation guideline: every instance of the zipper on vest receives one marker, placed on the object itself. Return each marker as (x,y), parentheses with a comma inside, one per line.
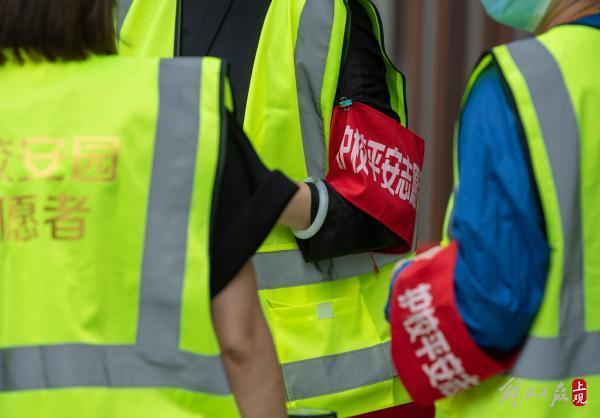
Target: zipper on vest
(177,45)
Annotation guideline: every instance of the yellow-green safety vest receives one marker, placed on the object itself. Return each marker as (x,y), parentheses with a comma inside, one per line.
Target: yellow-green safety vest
(555,85)
(326,318)
(107,174)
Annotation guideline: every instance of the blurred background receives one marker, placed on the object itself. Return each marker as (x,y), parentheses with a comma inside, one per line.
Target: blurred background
(436,44)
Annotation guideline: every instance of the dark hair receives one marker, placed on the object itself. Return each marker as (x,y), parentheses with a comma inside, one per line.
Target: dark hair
(56,30)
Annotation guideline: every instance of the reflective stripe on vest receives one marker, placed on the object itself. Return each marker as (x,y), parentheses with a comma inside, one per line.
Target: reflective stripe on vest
(312,50)
(325,375)
(288,268)
(123,7)
(155,360)
(574,352)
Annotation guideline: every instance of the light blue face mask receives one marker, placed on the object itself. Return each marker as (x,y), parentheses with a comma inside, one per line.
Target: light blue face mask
(520,14)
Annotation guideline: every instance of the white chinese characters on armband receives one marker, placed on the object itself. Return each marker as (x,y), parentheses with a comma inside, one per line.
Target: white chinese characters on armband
(442,367)
(387,166)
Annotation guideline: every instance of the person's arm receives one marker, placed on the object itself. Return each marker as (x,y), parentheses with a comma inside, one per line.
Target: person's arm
(297,214)
(498,222)
(250,200)
(497,263)
(346,229)
(247,349)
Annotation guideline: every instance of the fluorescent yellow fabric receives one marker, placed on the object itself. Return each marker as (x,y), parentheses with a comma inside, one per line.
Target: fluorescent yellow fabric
(49,105)
(109,403)
(149,28)
(75,189)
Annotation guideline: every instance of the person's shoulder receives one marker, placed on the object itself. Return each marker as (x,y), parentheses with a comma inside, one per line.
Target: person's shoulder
(488,116)
(487,89)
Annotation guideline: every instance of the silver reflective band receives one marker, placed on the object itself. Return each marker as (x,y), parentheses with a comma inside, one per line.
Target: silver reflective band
(571,353)
(171,187)
(77,366)
(337,373)
(122,10)
(288,269)
(155,360)
(310,57)
(559,358)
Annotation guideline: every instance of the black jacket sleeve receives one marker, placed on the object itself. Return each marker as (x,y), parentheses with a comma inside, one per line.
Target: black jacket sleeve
(348,230)
(249,202)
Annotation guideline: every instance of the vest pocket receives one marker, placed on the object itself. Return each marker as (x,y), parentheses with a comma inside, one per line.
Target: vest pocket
(323,328)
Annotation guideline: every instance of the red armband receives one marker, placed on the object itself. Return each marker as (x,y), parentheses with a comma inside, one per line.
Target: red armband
(434,354)
(375,163)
